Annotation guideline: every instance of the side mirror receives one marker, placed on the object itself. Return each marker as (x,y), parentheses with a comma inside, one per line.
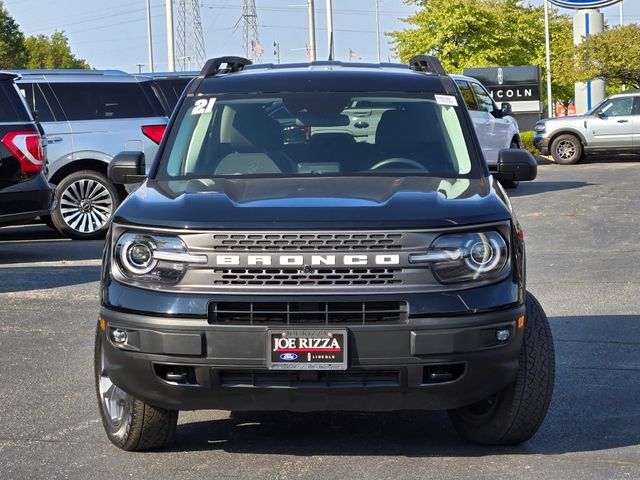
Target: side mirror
(600,114)
(506,109)
(516,165)
(127,167)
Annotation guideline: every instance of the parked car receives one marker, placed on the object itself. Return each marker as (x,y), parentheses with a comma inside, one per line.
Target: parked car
(611,127)
(88,117)
(248,273)
(25,193)
(496,128)
(171,84)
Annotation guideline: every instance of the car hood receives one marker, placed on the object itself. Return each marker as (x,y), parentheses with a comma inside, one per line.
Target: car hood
(315,203)
(566,120)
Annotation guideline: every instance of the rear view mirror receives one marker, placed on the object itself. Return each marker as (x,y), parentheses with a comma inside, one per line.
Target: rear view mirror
(506,109)
(127,167)
(516,165)
(600,114)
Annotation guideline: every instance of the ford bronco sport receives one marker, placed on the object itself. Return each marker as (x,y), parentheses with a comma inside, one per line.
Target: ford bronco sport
(322,270)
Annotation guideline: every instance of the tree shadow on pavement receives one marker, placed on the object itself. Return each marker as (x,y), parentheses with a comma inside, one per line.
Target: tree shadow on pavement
(595,407)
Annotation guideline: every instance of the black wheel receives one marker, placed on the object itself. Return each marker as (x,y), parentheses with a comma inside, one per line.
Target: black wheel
(86,202)
(514,415)
(511,184)
(129,423)
(566,149)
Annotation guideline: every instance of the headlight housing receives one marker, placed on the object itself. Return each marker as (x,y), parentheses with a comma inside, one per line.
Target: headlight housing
(541,127)
(146,258)
(465,257)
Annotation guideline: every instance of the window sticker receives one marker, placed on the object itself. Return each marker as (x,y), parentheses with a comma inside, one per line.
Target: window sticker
(448,100)
(203,105)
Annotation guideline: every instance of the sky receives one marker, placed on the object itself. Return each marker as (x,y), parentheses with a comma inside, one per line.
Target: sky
(113,33)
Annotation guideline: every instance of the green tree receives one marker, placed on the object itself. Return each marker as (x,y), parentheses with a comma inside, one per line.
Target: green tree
(12,50)
(479,33)
(52,52)
(613,55)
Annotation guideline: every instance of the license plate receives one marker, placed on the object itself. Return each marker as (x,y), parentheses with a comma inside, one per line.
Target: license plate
(307,349)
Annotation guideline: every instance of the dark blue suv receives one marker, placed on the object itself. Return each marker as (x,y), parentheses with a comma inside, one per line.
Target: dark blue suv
(321,236)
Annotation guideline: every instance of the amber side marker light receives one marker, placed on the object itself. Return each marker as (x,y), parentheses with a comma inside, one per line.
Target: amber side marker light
(103,324)
(521,321)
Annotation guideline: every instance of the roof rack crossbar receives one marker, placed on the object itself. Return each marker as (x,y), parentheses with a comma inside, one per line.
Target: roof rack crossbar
(233,64)
(427,64)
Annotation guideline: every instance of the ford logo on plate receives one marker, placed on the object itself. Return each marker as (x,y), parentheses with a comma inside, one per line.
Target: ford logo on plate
(288,357)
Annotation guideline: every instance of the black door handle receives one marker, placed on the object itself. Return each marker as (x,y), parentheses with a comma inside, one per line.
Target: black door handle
(623,121)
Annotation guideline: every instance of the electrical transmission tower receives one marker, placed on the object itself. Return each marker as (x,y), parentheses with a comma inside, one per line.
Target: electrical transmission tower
(190,54)
(250,38)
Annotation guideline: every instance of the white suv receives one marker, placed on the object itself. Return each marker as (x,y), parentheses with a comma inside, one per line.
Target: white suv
(495,127)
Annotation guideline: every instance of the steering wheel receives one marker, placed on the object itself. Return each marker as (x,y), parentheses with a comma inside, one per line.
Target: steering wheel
(402,161)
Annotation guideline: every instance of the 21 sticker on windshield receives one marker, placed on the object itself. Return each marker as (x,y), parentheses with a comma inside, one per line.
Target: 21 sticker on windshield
(203,105)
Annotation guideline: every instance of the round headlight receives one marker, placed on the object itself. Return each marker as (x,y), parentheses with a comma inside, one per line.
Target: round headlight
(136,255)
(483,255)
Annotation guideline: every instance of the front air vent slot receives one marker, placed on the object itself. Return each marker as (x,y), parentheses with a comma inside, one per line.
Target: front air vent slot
(288,313)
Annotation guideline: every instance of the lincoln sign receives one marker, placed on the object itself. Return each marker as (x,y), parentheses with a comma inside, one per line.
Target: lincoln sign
(519,86)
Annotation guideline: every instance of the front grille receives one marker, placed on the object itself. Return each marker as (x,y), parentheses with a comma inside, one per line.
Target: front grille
(259,242)
(312,379)
(295,277)
(287,313)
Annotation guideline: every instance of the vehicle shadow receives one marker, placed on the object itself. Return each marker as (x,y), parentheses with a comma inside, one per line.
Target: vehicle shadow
(22,279)
(594,408)
(39,243)
(536,187)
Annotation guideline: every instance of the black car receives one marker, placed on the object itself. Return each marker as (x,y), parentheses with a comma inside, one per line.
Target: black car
(24,191)
(332,272)
(171,85)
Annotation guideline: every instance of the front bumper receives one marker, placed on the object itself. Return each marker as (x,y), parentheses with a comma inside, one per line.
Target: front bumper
(426,363)
(541,143)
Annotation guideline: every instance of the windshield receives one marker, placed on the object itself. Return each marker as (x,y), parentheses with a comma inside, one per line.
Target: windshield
(331,134)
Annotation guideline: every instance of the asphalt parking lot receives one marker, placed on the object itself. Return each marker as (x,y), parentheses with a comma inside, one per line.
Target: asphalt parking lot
(583,235)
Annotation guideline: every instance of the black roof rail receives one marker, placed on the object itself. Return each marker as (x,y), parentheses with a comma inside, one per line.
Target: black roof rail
(233,64)
(427,64)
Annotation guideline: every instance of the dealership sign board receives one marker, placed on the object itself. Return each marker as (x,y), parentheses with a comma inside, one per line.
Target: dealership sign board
(580,4)
(519,86)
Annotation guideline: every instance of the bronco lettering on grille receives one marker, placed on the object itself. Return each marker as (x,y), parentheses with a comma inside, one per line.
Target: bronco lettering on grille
(312,260)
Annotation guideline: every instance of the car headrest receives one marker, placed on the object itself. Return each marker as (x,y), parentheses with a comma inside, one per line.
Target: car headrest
(252,131)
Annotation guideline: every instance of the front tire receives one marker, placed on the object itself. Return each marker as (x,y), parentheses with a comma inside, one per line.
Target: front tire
(566,149)
(514,415)
(130,424)
(86,201)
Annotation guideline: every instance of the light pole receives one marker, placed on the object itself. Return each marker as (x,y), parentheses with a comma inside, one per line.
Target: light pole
(547,46)
(378,27)
(171,56)
(311,17)
(330,28)
(149,36)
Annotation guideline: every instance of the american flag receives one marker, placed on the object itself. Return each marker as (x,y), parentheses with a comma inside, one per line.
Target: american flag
(256,47)
(354,56)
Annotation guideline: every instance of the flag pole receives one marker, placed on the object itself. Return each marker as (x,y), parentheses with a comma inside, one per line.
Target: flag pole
(547,46)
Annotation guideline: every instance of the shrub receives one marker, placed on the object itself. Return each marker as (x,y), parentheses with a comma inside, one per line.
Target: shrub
(527,142)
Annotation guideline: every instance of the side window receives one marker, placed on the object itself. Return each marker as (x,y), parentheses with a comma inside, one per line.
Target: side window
(12,108)
(41,107)
(77,100)
(467,94)
(484,99)
(99,101)
(618,107)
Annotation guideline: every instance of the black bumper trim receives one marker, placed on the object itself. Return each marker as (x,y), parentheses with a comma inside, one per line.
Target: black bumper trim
(409,349)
